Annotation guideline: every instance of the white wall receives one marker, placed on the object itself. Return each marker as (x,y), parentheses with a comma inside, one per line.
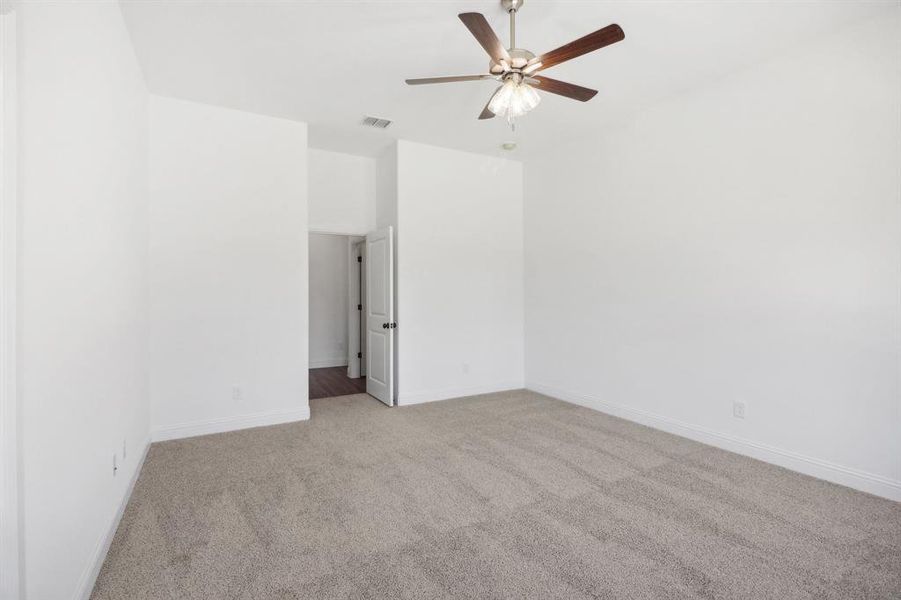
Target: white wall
(329,283)
(386,188)
(83,285)
(740,243)
(460,280)
(228,267)
(10,465)
(342,192)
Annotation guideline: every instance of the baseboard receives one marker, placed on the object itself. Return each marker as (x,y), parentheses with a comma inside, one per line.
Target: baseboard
(339,230)
(821,469)
(89,577)
(409,398)
(223,424)
(324,363)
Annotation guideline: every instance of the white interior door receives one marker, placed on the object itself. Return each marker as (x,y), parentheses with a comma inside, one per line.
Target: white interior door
(380,325)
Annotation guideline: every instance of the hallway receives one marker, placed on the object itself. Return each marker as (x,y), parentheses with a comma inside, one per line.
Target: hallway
(333,381)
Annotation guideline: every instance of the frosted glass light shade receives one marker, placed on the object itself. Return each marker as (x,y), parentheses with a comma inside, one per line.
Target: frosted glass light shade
(513,100)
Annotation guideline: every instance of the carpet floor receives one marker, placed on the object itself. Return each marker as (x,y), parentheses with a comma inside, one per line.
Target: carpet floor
(511,495)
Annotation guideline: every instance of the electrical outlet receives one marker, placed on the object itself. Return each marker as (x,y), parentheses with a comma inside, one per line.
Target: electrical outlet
(115,464)
(739,409)
(466,367)
(236,392)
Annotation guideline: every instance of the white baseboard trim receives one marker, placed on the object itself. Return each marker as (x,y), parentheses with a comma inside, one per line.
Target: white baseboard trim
(323,363)
(89,576)
(409,398)
(821,469)
(223,424)
(347,230)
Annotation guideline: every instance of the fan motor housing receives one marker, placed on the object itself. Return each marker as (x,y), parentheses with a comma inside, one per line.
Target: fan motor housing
(519,58)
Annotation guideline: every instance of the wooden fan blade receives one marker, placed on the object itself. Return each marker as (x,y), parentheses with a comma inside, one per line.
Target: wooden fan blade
(561,88)
(478,26)
(426,80)
(486,113)
(589,43)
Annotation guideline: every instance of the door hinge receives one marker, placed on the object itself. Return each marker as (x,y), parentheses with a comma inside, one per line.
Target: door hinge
(359,307)
(359,355)
(359,259)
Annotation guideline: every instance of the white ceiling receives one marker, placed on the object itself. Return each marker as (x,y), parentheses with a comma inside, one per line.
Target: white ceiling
(329,63)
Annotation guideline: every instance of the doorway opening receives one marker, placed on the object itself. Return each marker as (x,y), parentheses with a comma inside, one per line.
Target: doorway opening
(337,315)
(352,325)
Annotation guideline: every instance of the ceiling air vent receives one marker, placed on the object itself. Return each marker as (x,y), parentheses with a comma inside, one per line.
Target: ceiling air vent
(376,122)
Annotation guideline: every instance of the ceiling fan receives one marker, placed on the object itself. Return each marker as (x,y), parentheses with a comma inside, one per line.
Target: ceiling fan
(516,68)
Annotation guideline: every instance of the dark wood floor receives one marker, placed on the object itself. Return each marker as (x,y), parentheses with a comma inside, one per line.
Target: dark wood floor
(333,381)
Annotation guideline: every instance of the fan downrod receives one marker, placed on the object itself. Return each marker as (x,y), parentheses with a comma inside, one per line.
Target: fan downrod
(511,6)
(519,57)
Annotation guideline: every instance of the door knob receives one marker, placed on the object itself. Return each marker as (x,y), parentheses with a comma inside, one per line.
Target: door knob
(384,325)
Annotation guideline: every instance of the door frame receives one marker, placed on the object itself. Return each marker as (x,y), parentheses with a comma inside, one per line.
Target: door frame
(356,307)
(11,562)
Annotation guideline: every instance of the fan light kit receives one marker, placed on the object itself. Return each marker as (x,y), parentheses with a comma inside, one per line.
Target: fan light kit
(515,67)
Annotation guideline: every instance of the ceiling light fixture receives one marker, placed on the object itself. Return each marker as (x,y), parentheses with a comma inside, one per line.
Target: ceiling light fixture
(513,99)
(517,68)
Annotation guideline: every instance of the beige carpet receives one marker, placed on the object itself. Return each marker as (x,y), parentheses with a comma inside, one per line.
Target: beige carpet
(510,495)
